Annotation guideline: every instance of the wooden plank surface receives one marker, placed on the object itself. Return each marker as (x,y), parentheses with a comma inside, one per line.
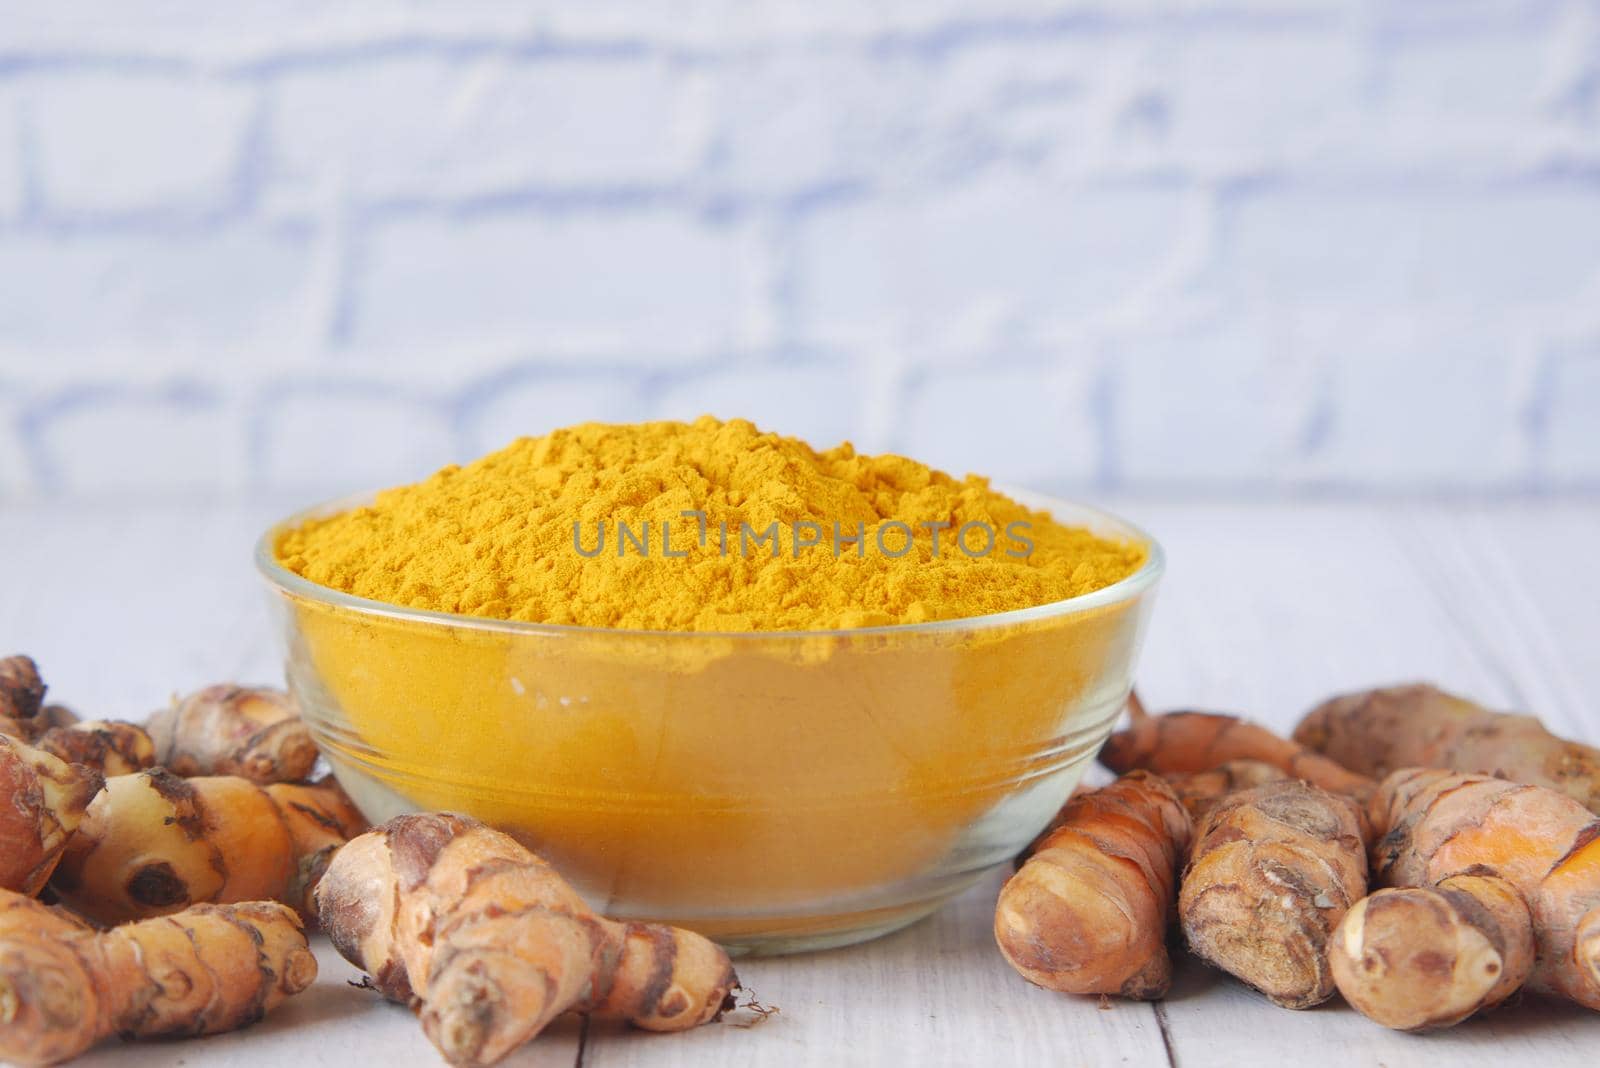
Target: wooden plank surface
(1266,610)
(936,993)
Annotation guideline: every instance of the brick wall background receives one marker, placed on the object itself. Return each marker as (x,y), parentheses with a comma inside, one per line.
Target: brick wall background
(1234,246)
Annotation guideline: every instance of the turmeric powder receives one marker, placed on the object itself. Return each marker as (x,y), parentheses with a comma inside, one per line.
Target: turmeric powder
(759,786)
(860,540)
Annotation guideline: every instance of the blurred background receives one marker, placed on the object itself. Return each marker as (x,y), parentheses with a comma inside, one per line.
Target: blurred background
(1213,247)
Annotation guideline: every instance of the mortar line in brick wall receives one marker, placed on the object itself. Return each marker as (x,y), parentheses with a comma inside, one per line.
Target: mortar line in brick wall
(702,195)
(985,30)
(290,58)
(699,196)
(933,42)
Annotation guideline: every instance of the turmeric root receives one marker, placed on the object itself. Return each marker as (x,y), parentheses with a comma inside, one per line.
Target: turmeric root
(1087,913)
(1544,843)
(1186,742)
(56,716)
(65,986)
(1423,958)
(1136,709)
(1421,726)
(111,747)
(42,801)
(256,734)
(1201,791)
(1273,871)
(21,697)
(154,843)
(488,944)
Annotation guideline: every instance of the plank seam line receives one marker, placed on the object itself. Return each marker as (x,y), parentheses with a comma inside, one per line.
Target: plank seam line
(1437,585)
(1166,1033)
(583,1043)
(1531,633)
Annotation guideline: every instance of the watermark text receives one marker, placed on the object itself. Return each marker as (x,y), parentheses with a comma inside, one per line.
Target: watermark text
(894,538)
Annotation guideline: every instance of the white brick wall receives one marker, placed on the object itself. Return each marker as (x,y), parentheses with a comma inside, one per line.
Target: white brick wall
(638,282)
(350,434)
(1570,399)
(120,440)
(425,126)
(105,144)
(1166,245)
(10,157)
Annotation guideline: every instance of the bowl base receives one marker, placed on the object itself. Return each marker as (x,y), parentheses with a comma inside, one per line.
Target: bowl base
(767,936)
(829,938)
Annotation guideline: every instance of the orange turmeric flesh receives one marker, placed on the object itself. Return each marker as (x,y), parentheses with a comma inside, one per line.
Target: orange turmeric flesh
(672,745)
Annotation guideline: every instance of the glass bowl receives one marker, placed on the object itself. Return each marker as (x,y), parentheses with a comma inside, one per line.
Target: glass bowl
(776,791)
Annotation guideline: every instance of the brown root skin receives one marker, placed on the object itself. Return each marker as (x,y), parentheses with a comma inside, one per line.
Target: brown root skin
(21,697)
(320,818)
(155,843)
(1376,732)
(110,747)
(254,733)
(46,800)
(1587,945)
(1437,824)
(1201,790)
(65,986)
(1088,912)
(1425,958)
(1272,872)
(488,944)
(1182,743)
(56,716)
(1136,709)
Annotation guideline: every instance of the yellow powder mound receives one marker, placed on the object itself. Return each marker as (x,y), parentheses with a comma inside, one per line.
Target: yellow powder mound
(501,537)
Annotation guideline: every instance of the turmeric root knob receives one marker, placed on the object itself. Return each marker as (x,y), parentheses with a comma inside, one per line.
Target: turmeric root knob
(1586,948)
(1544,843)
(1422,958)
(1273,871)
(1087,912)
(65,986)
(489,944)
(256,734)
(154,843)
(1380,731)
(111,747)
(47,800)
(21,697)
(1202,791)
(1188,742)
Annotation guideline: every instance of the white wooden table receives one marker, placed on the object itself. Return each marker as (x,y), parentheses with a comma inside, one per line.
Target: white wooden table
(1265,610)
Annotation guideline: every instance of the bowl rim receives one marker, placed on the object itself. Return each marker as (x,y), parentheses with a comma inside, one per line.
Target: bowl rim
(1126,589)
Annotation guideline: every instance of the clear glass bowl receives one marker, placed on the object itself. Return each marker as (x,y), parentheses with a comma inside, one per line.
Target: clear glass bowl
(777,791)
